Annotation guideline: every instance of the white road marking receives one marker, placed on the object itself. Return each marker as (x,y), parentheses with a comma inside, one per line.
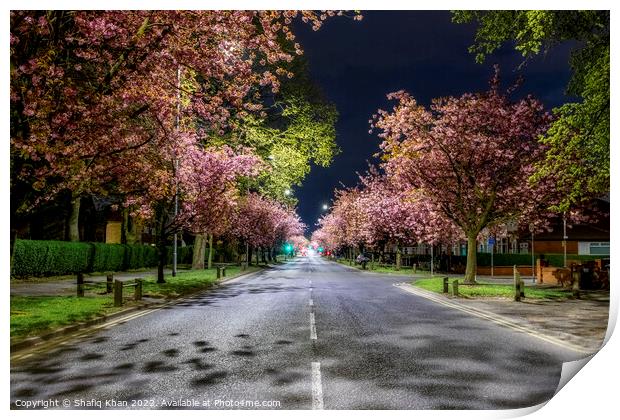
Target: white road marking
(317,387)
(311,302)
(312,327)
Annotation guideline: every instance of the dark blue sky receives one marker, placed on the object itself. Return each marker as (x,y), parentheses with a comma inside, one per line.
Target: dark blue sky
(357,63)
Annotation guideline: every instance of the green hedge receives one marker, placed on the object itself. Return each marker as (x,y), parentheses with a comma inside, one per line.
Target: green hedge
(38,258)
(184,254)
(484,259)
(108,257)
(557,260)
(52,258)
(139,256)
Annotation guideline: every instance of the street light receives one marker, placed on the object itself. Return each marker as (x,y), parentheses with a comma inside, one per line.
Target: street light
(287,192)
(532,227)
(325,206)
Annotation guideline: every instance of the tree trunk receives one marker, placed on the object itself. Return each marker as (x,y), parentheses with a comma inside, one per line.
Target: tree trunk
(257,262)
(74,218)
(124,225)
(398,257)
(161,244)
(210,260)
(470,271)
(198,257)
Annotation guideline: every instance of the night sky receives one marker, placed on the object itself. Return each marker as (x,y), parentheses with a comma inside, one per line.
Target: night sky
(357,63)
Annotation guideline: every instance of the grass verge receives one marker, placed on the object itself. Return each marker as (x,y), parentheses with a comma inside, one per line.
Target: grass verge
(31,315)
(405,271)
(34,315)
(435,284)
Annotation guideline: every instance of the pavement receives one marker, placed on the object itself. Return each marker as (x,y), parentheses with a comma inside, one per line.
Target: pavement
(309,334)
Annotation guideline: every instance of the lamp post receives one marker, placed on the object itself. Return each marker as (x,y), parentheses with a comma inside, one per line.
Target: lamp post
(176,169)
(564,237)
(532,227)
(325,207)
(432,267)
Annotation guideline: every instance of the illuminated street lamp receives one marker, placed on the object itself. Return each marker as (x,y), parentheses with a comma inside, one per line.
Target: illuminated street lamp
(287,192)
(325,206)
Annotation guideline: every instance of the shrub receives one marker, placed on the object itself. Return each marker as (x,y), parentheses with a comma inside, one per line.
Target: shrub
(184,254)
(140,256)
(108,257)
(484,259)
(557,260)
(49,258)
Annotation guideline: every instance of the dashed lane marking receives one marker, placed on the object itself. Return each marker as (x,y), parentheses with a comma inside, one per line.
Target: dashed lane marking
(317,387)
(312,327)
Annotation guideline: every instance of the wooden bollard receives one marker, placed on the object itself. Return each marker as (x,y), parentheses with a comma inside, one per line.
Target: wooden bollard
(109,281)
(415,269)
(80,285)
(445,284)
(223,271)
(219,272)
(118,293)
(455,287)
(137,293)
(517,282)
(522,287)
(575,284)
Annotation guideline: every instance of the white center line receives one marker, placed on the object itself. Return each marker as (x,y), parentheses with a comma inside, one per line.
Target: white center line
(317,388)
(311,302)
(312,327)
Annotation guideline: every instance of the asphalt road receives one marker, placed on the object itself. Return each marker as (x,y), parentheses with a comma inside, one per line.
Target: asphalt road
(308,334)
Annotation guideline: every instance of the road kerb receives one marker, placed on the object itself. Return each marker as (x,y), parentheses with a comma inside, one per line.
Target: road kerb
(493,317)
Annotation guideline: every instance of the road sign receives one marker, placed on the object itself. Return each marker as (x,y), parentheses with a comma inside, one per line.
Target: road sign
(491,241)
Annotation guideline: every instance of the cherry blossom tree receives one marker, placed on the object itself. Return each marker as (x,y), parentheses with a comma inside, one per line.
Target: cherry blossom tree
(470,156)
(400,215)
(88,86)
(264,223)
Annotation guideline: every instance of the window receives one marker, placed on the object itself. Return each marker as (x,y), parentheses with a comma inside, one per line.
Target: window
(599,248)
(524,248)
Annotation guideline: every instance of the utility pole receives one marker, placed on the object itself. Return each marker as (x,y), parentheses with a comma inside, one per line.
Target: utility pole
(564,240)
(176,169)
(532,227)
(432,260)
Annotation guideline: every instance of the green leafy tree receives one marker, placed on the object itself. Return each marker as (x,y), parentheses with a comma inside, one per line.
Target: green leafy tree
(295,131)
(578,141)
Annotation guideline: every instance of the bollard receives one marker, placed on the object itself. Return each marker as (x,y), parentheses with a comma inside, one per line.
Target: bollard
(80,285)
(445,285)
(455,287)
(522,288)
(575,285)
(223,271)
(118,293)
(109,282)
(415,269)
(517,283)
(219,271)
(137,293)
